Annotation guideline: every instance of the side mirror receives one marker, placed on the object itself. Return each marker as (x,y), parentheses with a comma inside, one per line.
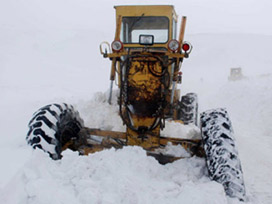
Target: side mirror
(106,47)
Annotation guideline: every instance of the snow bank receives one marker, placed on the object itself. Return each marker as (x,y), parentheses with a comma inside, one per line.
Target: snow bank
(112,176)
(130,176)
(127,175)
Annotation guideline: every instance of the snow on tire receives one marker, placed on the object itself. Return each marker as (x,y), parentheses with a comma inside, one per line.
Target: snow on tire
(52,126)
(189,109)
(221,154)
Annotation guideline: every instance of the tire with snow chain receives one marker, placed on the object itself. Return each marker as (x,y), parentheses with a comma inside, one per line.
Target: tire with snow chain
(188,111)
(52,126)
(221,154)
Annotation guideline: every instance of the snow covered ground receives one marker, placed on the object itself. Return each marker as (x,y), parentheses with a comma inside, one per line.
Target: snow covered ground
(128,175)
(57,60)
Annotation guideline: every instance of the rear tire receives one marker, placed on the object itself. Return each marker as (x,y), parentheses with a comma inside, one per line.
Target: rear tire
(222,158)
(188,111)
(52,126)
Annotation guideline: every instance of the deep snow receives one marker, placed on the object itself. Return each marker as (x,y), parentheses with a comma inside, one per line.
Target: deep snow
(46,57)
(129,176)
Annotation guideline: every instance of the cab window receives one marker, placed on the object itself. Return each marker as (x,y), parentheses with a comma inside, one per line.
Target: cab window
(174,33)
(133,27)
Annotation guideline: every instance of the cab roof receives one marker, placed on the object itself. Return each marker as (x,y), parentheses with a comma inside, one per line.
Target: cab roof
(149,10)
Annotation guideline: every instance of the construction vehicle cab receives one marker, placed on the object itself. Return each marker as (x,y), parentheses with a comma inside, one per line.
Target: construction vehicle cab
(147,25)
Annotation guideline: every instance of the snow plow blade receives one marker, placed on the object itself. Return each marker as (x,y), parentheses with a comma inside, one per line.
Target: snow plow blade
(93,140)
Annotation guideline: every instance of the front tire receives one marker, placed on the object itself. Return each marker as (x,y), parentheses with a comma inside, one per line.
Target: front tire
(52,126)
(223,163)
(188,111)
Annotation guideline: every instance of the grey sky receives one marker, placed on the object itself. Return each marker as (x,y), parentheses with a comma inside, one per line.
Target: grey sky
(204,16)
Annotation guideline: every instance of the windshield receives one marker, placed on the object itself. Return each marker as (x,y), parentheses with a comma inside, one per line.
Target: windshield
(133,27)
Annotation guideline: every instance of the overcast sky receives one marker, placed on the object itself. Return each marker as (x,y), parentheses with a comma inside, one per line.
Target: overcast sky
(204,16)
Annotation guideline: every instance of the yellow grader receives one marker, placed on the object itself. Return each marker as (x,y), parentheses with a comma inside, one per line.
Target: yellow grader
(146,58)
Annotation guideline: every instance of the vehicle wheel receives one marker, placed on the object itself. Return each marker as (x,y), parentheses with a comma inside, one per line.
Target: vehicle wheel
(221,154)
(52,126)
(188,111)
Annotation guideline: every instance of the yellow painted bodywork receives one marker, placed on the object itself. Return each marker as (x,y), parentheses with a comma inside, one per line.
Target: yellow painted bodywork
(145,84)
(152,10)
(148,10)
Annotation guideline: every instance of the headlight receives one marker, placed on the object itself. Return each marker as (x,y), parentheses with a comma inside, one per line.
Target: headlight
(173,45)
(116,45)
(146,39)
